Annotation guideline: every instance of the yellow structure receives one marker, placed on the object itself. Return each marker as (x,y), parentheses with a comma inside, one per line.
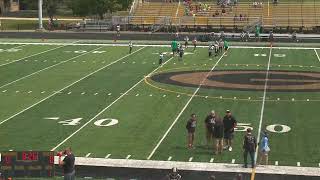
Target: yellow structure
(9,6)
(284,14)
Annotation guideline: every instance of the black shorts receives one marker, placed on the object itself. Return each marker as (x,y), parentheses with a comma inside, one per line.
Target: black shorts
(218,136)
(228,135)
(191,130)
(209,130)
(160,61)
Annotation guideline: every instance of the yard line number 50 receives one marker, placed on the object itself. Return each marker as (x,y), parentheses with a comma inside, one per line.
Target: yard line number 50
(274,128)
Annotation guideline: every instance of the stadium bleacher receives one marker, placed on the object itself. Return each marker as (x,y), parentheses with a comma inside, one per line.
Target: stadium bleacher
(293,14)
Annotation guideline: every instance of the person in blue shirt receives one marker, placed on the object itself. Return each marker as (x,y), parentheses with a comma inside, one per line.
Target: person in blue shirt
(264,148)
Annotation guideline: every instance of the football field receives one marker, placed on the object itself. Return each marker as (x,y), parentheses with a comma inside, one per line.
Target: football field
(106,103)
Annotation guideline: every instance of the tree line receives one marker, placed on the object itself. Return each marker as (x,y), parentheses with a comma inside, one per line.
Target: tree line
(79,7)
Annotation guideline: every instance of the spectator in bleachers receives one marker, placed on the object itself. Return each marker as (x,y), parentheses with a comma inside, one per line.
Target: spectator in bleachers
(245,18)
(275,2)
(235,18)
(241,17)
(223,12)
(255,4)
(217,13)
(235,2)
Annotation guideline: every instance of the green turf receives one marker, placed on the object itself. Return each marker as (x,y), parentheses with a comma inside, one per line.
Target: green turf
(148,110)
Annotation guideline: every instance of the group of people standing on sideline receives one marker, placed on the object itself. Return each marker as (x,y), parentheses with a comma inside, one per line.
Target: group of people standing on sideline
(220,132)
(217,130)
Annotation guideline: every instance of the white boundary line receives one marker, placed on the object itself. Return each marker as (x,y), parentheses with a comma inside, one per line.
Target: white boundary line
(49,67)
(263,105)
(156,45)
(317,54)
(183,109)
(33,55)
(18,46)
(56,92)
(122,95)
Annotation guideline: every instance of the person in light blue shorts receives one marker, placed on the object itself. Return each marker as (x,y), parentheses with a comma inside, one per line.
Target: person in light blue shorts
(264,148)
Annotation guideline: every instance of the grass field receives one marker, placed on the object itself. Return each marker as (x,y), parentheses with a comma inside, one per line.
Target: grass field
(101,101)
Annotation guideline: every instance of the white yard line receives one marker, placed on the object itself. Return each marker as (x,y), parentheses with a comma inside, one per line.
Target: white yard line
(19,46)
(263,104)
(88,154)
(183,109)
(155,45)
(102,111)
(68,86)
(317,54)
(33,55)
(49,67)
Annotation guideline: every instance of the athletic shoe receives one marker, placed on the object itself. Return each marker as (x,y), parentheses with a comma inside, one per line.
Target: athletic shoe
(230,148)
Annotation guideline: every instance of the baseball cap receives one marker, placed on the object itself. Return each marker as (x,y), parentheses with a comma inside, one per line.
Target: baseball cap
(228,111)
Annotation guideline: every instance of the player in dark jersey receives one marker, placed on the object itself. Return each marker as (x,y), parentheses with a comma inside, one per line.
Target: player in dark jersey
(218,135)
(186,42)
(161,56)
(249,147)
(181,52)
(210,50)
(118,30)
(209,123)
(271,37)
(191,128)
(220,46)
(229,123)
(130,47)
(194,42)
(216,48)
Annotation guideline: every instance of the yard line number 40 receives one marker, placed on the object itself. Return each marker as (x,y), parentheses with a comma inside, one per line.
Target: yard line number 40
(76,121)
